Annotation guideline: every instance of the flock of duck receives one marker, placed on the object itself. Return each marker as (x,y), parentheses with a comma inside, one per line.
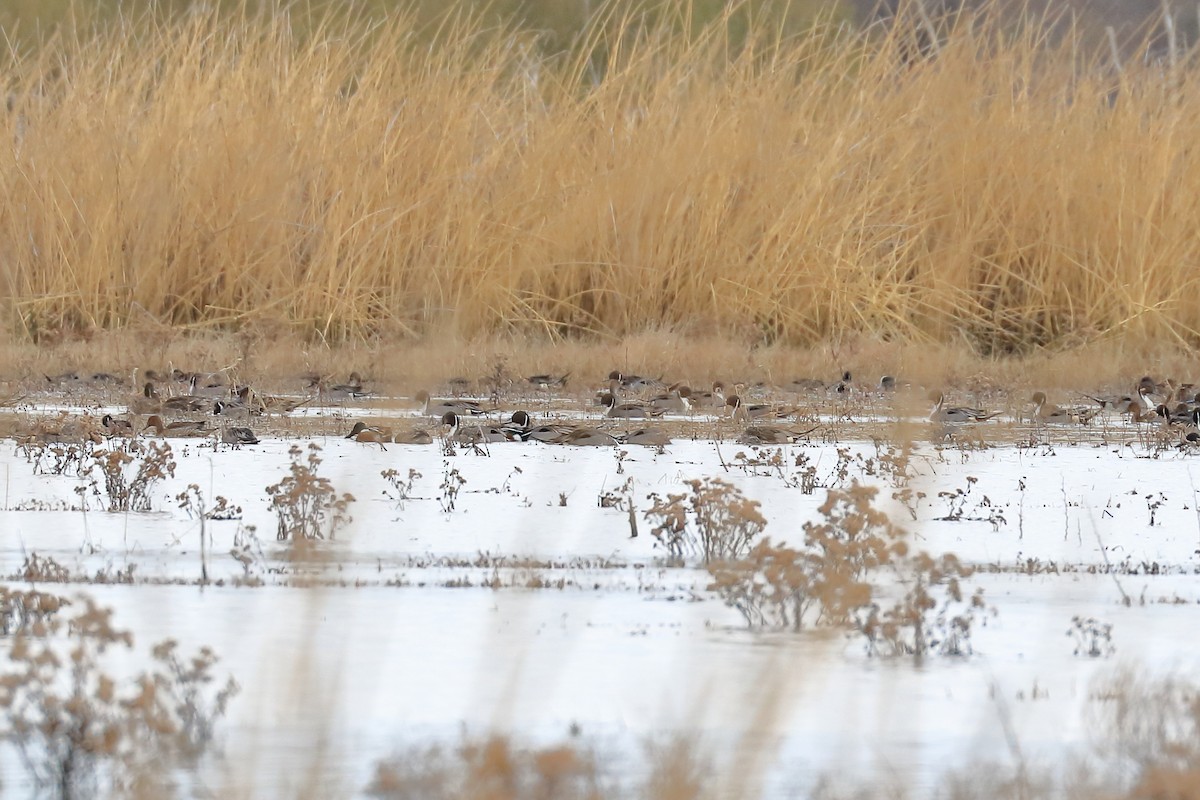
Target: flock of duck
(191,404)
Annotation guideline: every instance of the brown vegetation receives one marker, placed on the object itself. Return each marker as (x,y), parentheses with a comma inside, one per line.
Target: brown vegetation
(225,171)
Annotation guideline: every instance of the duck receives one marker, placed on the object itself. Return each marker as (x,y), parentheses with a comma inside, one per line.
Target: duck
(440,408)
(714,399)
(1112,402)
(804,386)
(147,402)
(238,435)
(211,385)
(412,436)
(844,387)
(1049,413)
(280,405)
(115,426)
(472,433)
(770,434)
(634,383)
(1139,414)
(370,434)
(1190,432)
(589,437)
(352,389)
(1153,394)
(185,404)
(519,426)
(646,437)
(549,381)
(743,411)
(941,413)
(1182,414)
(676,401)
(550,434)
(68,379)
(628,410)
(231,408)
(181,428)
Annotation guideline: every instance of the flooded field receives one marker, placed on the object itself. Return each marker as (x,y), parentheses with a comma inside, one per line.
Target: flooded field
(556,593)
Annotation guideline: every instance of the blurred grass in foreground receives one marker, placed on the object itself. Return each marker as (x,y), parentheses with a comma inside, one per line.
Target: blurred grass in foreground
(348,179)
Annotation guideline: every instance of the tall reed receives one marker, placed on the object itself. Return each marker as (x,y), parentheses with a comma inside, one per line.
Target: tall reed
(360,180)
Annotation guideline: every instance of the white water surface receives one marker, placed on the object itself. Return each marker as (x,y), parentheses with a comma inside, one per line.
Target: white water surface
(382,655)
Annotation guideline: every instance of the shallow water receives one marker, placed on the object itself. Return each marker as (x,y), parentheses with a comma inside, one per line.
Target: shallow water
(382,654)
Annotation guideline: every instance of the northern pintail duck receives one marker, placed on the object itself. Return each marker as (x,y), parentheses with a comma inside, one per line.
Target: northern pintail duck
(412,436)
(67,380)
(1049,413)
(1181,415)
(521,428)
(770,434)
(635,383)
(472,432)
(147,402)
(114,426)
(1151,394)
(942,413)
(890,383)
(1139,414)
(548,381)
(1112,402)
(440,408)
(741,410)
(628,410)
(185,404)
(710,400)
(589,437)
(676,401)
(233,407)
(266,403)
(549,434)
(180,428)
(211,385)
(238,435)
(804,385)
(352,389)
(646,437)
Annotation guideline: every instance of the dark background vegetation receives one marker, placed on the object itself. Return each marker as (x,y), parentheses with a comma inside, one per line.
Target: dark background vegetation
(560,21)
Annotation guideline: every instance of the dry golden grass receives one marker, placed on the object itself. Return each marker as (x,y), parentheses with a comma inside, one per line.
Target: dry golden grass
(218,171)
